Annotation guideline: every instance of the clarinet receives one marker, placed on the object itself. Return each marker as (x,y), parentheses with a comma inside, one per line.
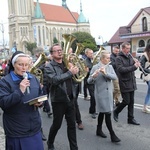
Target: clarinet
(145,73)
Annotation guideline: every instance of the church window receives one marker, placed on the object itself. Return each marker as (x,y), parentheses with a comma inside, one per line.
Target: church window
(43,36)
(39,31)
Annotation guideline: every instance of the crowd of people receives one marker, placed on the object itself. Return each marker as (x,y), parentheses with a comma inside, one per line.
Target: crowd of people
(109,86)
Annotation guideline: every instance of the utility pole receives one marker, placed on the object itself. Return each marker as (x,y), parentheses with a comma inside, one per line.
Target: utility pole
(2,30)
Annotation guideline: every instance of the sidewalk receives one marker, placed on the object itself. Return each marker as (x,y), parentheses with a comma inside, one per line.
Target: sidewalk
(2,139)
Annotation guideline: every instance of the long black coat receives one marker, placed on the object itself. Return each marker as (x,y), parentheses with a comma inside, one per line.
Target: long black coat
(125,71)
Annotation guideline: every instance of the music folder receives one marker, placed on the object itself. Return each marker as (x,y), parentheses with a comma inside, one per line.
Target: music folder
(36,100)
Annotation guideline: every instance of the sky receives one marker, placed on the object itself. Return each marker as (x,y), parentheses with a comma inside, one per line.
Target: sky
(105,17)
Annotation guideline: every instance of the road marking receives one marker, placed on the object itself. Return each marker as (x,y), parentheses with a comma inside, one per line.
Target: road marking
(137,106)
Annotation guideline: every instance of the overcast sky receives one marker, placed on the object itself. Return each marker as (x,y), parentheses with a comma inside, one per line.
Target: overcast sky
(105,16)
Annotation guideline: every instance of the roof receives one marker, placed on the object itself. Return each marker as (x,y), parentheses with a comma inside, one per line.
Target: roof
(147,10)
(116,37)
(124,30)
(38,12)
(81,18)
(58,13)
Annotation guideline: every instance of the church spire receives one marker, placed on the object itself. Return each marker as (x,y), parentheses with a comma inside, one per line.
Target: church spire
(81,18)
(38,12)
(64,3)
(80,6)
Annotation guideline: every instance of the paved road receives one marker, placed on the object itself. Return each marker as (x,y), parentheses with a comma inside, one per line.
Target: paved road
(133,137)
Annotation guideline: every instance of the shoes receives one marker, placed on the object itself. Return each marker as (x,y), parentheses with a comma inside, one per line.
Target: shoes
(114,138)
(87,98)
(115,116)
(94,115)
(80,126)
(51,147)
(44,109)
(133,122)
(49,114)
(101,134)
(117,104)
(146,110)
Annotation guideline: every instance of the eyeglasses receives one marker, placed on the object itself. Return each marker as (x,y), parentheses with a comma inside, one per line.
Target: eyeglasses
(59,50)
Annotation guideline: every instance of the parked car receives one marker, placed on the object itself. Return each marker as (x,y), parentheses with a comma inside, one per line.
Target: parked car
(139,52)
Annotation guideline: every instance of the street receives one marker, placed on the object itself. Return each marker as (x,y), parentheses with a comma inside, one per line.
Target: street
(132,137)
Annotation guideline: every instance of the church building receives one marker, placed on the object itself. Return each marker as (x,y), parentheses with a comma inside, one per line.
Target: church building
(31,21)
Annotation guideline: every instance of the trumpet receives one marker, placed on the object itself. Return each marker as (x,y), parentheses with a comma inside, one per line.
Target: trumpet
(135,60)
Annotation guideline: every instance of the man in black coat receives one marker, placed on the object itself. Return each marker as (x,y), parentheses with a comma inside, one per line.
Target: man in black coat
(126,66)
(89,64)
(62,93)
(116,91)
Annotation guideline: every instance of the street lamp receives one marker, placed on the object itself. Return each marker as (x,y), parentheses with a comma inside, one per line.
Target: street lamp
(100,37)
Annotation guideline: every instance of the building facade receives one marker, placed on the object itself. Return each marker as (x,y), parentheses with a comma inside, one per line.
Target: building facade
(137,32)
(31,21)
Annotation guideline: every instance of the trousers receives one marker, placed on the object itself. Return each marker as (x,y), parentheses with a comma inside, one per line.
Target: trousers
(128,100)
(59,110)
(116,91)
(92,108)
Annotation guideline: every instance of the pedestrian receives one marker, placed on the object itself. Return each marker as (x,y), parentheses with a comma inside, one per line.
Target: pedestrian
(22,122)
(126,66)
(101,76)
(145,64)
(89,64)
(116,89)
(62,93)
(77,90)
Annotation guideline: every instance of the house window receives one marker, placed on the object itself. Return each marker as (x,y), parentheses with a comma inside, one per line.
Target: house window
(141,43)
(144,24)
(148,42)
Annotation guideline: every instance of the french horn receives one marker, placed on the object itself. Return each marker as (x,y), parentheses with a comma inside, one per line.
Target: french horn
(97,55)
(75,60)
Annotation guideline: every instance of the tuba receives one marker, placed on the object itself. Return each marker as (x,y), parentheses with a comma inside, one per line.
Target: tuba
(34,68)
(75,60)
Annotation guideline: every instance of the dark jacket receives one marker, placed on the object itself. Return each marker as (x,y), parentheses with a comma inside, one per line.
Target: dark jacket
(113,61)
(56,79)
(143,60)
(19,119)
(89,64)
(125,71)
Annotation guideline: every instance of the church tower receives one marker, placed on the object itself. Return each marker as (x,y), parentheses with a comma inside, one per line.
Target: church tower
(20,17)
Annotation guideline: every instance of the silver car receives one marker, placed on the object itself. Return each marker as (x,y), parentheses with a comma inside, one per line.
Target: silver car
(139,52)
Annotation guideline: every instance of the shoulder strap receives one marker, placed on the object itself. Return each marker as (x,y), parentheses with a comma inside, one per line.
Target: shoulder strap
(145,54)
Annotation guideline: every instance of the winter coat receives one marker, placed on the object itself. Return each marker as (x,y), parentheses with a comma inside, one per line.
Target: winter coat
(125,71)
(113,60)
(103,88)
(19,119)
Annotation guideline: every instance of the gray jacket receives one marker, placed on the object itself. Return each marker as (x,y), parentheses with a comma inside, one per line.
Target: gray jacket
(103,88)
